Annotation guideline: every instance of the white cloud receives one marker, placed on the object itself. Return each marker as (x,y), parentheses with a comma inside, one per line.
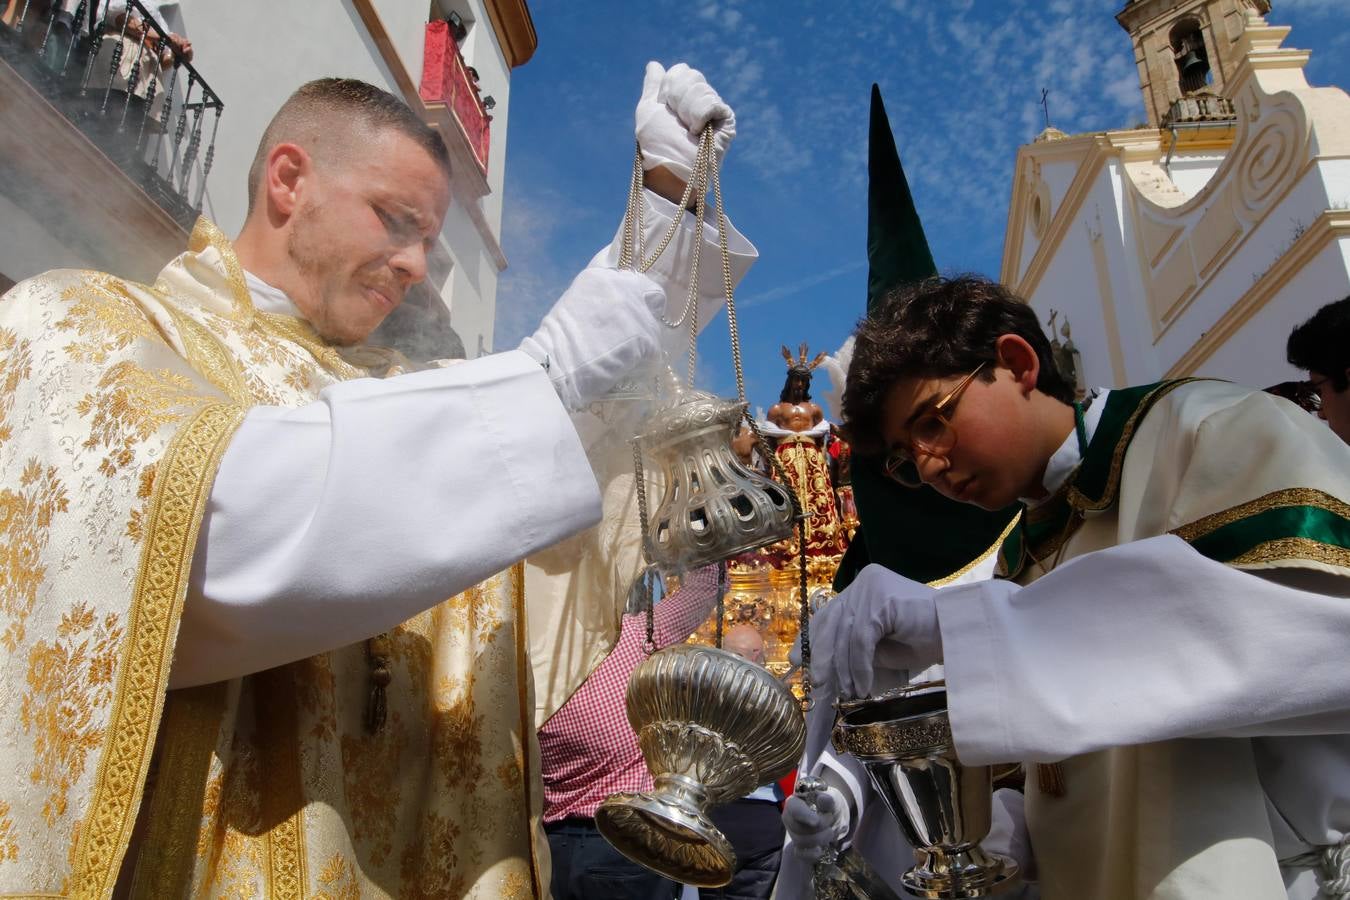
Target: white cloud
(796,287)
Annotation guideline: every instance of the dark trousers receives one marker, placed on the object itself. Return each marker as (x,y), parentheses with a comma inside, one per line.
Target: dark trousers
(755,829)
(587,867)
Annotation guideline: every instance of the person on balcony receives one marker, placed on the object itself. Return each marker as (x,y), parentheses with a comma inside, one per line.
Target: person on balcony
(223,623)
(136,50)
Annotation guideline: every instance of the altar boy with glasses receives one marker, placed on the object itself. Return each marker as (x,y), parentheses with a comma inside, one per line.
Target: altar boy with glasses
(1167,642)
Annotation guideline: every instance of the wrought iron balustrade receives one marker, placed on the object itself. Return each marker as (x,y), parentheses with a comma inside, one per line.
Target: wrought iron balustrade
(127,83)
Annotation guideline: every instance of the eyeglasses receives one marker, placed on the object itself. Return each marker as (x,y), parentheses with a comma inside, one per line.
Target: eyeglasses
(932,433)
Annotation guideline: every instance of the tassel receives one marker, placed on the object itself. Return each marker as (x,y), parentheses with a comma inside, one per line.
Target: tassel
(377,705)
(1050,779)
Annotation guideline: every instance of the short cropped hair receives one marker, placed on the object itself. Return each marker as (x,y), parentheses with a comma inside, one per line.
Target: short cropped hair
(936,328)
(311,115)
(1322,344)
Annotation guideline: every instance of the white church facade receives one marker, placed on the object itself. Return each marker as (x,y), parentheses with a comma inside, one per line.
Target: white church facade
(1191,246)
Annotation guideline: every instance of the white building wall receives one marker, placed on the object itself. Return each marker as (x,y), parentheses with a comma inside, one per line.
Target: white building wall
(1202,264)
(1255,354)
(27,248)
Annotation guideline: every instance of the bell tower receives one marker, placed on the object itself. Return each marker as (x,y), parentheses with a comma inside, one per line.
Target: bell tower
(1186,50)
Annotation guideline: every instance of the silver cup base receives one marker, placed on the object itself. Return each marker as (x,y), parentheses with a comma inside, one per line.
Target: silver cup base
(669,836)
(960,876)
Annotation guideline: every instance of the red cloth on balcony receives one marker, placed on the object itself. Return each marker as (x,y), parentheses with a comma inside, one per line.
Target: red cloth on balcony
(446,79)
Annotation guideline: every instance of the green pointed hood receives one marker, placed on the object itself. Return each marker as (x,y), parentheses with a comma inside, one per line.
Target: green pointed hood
(918,533)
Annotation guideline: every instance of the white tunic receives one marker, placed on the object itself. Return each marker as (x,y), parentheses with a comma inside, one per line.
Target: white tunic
(337,520)
(1147,642)
(1231,682)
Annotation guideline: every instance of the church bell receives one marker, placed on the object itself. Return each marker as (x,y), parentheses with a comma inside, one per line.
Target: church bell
(1192,67)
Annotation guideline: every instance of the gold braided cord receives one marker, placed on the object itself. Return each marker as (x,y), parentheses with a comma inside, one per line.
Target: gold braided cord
(993,548)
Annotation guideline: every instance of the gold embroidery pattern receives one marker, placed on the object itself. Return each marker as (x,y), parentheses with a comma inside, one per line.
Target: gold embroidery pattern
(209,355)
(516,886)
(136,522)
(9,845)
(1080,501)
(476,611)
(25,521)
(130,405)
(1274,500)
(161,583)
(289,328)
(206,234)
(339,879)
(228,849)
(370,766)
(275,693)
(430,866)
(1278,549)
(182,791)
(16,364)
(1283,549)
(457,733)
(105,317)
(69,680)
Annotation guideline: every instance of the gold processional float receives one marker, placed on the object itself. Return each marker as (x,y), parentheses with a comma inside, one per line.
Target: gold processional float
(713,726)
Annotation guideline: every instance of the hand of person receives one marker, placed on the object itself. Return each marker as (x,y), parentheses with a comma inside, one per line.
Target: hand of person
(182,45)
(674,107)
(602,327)
(881,620)
(815,829)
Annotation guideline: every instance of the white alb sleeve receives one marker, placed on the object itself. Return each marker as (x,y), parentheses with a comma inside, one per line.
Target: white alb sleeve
(1148,641)
(337,520)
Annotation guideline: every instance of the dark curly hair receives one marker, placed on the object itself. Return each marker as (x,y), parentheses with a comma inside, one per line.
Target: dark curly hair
(934,329)
(1322,344)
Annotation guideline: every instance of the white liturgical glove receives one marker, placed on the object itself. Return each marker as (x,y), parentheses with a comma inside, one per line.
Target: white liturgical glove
(814,830)
(602,327)
(670,115)
(881,620)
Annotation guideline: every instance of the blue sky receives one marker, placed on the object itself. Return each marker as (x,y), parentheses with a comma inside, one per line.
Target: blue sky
(961,80)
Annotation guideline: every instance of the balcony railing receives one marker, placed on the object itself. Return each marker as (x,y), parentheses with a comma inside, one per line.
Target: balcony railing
(447,79)
(129,86)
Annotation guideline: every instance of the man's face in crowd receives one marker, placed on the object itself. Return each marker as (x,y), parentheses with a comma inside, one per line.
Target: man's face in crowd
(745,641)
(1335,407)
(995,457)
(361,234)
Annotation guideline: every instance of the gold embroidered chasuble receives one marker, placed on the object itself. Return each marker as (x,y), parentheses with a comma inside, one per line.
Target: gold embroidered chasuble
(119,400)
(1249,482)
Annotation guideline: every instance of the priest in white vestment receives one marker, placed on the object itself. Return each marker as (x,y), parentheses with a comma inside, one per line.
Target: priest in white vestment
(201,493)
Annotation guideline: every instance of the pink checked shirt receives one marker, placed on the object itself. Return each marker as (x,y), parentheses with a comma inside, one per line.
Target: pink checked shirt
(587,748)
